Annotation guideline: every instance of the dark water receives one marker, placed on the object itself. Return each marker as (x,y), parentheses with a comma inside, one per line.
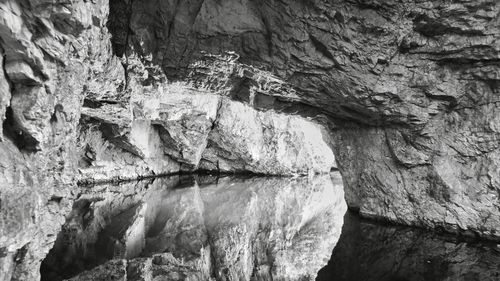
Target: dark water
(249,228)
(197,228)
(369,251)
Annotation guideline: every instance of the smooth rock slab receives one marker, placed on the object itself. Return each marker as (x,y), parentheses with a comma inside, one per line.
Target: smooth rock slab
(244,139)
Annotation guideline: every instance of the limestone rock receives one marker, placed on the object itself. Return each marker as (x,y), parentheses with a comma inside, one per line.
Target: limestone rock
(409,90)
(4,93)
(183,121)
(48,49)
(112,147)
(115,270)
(21,72)
(197,128)
(31,110)
(244,139)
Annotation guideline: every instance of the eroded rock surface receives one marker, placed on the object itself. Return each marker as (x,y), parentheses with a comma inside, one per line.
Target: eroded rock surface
(178,126)
(244,139)
(97,90)
(179,228)
(409,90)
(49,52)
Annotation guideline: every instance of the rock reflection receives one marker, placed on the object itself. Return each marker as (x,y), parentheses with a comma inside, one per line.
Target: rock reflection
(370,251)
(182,228)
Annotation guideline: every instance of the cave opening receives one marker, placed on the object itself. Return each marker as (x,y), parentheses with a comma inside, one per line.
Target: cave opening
(131,232)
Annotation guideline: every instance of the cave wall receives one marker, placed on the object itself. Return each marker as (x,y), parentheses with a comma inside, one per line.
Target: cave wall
(51,53)
(408,89)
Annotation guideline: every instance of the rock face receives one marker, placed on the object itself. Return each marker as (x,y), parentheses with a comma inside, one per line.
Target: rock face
(71,112)
(409,88)
(179,228)
(49,52)
(181,127)
(405,92)
(244,139)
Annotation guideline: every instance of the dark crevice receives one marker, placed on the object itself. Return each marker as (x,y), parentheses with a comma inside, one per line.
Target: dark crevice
(430,27)
(120,12)
(11,130)
(90,103)
(356,114)
(321,47)
(21,254)
(452,101)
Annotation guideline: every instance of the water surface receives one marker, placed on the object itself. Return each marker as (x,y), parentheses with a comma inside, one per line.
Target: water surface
(250,228)
(196,228)
(371,251)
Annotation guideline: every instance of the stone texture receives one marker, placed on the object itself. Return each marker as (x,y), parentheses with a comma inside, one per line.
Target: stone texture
(244,139)
(49,51)
(235,229)
(162,127)
(4,93)
(183,121)
(115,270)
(113,147)
(409,90)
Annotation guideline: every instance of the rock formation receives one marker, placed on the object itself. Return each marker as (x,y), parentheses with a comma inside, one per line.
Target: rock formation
(409,90)
(179,127)
(405,93)
(72,112)
(49,53)
(179,228)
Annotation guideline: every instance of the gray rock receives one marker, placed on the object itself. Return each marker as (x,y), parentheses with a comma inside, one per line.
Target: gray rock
(4,93)
(186,119)
(183,121)
(244,139)
(410,90)
(40,105)
(115,270)
(407,89)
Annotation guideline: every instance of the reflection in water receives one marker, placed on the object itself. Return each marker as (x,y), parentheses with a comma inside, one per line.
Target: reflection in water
(370,251)
(179,228)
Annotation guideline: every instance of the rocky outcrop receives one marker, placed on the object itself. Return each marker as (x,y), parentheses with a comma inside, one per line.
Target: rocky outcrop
(71,112)
(406,93)
(166,127)
(409,90)
(49,53)
(179,228)
(244,139)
